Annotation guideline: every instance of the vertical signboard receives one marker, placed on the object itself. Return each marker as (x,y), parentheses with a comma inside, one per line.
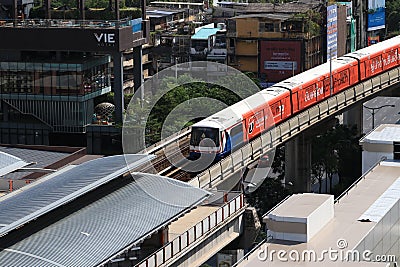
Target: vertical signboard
(279,60)
(376,15)
(353,35)
(331,34)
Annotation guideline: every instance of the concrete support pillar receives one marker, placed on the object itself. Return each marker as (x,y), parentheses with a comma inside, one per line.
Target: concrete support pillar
(138,69)
(298,163)
(354,117)
(118,86)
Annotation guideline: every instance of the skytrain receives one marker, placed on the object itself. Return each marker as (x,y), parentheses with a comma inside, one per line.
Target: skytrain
(228,129)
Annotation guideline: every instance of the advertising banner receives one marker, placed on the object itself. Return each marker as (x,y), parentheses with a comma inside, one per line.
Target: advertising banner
(279,60)
(376,15)
(331,34)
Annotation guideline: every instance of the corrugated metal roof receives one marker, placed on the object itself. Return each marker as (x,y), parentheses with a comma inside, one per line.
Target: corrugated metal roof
(204,33)
(270,8)
(41,158)
(31,202)
(10,163)
(282,17)
(104,228)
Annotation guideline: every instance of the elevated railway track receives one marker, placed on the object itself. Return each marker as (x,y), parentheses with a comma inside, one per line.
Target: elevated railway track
(251,152)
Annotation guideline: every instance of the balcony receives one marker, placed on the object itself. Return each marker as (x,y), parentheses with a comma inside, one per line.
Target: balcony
(62,35)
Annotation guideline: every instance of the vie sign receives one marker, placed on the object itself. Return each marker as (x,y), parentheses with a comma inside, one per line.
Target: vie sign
(105,39)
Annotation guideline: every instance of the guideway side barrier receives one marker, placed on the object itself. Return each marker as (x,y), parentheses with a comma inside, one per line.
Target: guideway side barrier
(252,151)
(175,138)
(196,233)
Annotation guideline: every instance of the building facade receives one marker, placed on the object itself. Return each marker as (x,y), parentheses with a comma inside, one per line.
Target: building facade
(51,72)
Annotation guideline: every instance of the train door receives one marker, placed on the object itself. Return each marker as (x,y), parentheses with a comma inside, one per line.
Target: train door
(295,101)
(286,111)
(341,79)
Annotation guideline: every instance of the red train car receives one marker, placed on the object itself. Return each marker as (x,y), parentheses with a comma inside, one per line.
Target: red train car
(247,119)
(377,58)
(314,85)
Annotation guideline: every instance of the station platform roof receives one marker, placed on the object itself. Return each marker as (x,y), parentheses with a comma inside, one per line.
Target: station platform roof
(99,212)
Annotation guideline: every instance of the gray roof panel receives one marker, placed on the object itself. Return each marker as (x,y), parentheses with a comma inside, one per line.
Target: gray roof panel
(22,206)
(99,231)
(10,163)
(40,158)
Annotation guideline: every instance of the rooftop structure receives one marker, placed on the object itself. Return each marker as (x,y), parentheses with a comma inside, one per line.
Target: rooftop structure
(383,141)
(179,5)
(37,161)
(256,31)
(10,163)
(48,157)
(353,228)
(204,33)
(300,217)
(209,43)
(101,218)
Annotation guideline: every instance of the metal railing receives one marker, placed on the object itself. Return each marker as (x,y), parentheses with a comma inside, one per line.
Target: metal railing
(290,128)
(66,23)
(245,257)
(198,231)
(174,138)
(354,184)
(346,192)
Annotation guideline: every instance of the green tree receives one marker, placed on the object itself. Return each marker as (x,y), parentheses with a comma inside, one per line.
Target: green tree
(392,14)
(178,104)
(332,152)
(317,165)
(268,195)
(272,190)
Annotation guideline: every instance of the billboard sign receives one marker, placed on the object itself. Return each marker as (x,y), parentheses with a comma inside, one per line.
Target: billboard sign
(376,15)
(373,40)
(331,34)
(279,60)
(136,25)
(67,39)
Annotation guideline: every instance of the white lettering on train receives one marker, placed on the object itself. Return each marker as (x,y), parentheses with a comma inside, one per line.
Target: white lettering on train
(313,94)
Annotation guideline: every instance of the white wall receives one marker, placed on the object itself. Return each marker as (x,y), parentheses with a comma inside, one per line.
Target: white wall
(370,158)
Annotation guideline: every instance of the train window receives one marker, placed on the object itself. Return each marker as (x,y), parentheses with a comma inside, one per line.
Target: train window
(236,130)
(277,109)
(204,136)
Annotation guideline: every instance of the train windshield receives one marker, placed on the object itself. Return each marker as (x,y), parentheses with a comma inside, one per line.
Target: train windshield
(205,137)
